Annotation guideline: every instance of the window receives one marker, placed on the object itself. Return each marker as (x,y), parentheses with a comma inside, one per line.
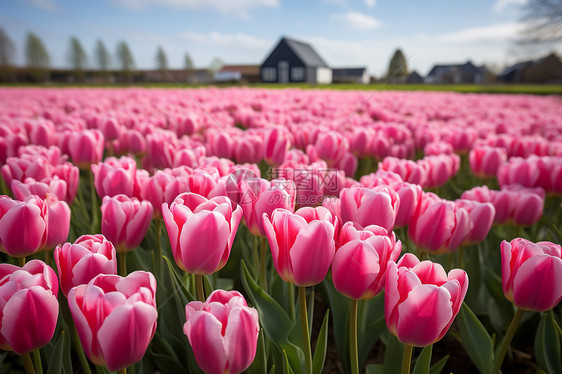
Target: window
(297,74)
(269,74)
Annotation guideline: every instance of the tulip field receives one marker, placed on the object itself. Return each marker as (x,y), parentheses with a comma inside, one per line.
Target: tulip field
(279,231)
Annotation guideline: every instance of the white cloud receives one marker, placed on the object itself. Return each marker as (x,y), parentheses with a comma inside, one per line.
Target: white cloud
(370,3)
(500,5)
(48,5)
(358,21)
(497,32)
(218,39)
(238,8)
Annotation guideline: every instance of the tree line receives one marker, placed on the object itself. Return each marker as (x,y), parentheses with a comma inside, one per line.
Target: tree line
(38,60)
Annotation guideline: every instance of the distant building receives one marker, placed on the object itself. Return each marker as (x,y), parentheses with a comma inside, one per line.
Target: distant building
(457,74)
(414,78)
(544,70)
(248,73)
(350,75)
(296,62)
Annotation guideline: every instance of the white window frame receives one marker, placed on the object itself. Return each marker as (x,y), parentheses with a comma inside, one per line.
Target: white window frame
(269,74)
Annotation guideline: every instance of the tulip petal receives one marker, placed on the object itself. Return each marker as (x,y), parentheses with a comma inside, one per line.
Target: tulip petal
(204,334)
(537,285)
(354,268)
(240,338)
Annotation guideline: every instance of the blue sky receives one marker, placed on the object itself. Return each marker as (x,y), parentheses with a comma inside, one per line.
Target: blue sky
(344,32)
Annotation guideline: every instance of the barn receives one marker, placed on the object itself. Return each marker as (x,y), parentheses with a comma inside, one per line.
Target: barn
(294,61)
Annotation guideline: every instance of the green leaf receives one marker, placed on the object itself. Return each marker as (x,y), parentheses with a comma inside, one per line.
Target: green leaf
(321,345)
(475,339)
(286,366)
(499,308)
(547,344)
(259,366)
(272,370)
(55,363)
(393,355)
(371,325)
(424,361)
(439,365)
(339,308)
(375,369)
(164,356)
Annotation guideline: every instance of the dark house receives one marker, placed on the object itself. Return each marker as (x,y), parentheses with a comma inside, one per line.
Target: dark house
(295,61)
(414,78)
(350,75)
(544,70)
(457,74)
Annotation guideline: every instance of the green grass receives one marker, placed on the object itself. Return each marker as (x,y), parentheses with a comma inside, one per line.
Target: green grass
(467,88)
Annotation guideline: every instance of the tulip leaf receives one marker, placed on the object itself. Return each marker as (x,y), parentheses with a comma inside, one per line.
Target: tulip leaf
(500,309)
(272,370)
(286,366)
(321,345)
(439,366)
(423,362)
(393,354)
(339,308)
(371,325)
(55,363)
(164,356)
(145,366)
(547,344)
(475,339)
(259,366)
(375,369)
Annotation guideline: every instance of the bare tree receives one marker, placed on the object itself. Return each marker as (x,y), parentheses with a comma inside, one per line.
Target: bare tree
(7,52)
(77,57)
(102,57)
(125,59)
(543,26)
(161,59)
(36,57)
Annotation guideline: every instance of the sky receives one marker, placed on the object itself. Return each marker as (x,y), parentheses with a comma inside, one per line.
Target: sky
(346,33)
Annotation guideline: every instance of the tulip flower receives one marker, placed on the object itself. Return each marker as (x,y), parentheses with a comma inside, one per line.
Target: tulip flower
(364,206)
(28,306)
(23,225)
(482,217)
(223,332)
(276,144)
(81,261)
(125,221)
(59,218)
(302,251)
(525,267)
(86,147)
(485,161)
(201,231)
(114,176)
(421,300)
(115,317)
(30,186)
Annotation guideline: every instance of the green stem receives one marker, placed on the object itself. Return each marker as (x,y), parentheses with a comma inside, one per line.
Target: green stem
(74,335)
(305,333)
(353,338)
(94,201)
(200,287)
(461,260)
(159,245)
(27,363)
(407,359)
(263,264)
(37,361)
(80,201)
(123,264)
(20,261)
(507,340)
(123,371)
(291,300)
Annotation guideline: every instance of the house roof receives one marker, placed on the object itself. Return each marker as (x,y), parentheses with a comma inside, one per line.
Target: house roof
(515,67)
(348,72)
(305,52)
(467,67)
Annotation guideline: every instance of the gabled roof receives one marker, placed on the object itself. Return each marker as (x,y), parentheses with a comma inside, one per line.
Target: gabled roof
(516,67)
(305,52)
(467,67)
(348,72)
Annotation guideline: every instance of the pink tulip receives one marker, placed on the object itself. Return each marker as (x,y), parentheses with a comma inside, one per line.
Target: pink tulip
(276,144)
(223,332)
(59,221)
(302,251)
(485,161)
(482,217)
(125,221)
(115,317)
(71,175)
(86,147)
(421,300)
(410,196)
(115,176)
(17,168)
(532,274)
(23,225)
(439,226)
(331,146)
(28,306)
(409,170)
(359,265)
(364,206)
(439,169)
(201,231)
(153,189)
(81,261)
(54,186)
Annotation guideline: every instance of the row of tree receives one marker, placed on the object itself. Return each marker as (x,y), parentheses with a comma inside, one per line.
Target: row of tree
(38,61)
